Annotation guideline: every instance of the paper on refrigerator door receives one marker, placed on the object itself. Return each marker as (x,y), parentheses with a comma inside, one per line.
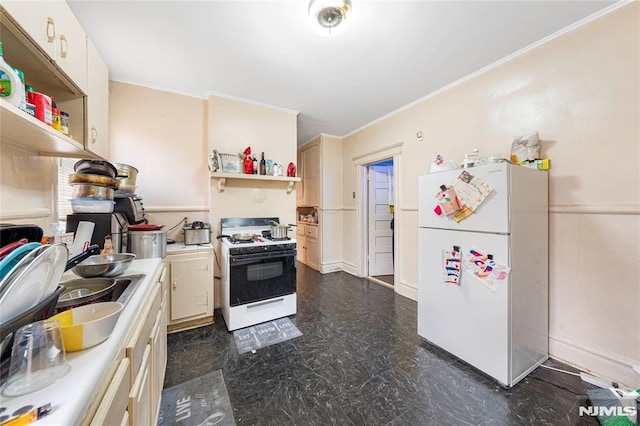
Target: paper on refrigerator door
(471,191)
(484,268)
(451,260)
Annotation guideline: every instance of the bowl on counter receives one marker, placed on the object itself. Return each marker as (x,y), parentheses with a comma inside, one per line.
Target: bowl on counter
(89,325)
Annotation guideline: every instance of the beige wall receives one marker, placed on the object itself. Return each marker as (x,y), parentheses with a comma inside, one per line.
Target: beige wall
(581,92)
(26,187)
(235,125)
(163,135)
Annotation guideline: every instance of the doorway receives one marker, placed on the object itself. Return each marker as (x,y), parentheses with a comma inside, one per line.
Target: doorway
(380,222)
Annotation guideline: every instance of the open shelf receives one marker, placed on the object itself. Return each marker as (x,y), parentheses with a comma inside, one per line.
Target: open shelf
(222,179)
(22,130)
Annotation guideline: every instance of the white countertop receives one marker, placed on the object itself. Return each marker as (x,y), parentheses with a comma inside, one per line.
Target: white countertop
(182,248)
(70,397)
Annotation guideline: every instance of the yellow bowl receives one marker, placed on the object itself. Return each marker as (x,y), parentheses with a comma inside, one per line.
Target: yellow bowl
(88,325)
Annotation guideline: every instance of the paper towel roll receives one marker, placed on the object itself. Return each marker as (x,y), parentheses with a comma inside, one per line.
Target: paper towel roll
(82,238)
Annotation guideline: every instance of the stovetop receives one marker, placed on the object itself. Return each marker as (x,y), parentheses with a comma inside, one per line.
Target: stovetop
(256,226)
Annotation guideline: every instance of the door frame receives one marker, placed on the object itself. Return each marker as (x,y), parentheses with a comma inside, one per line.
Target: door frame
(362,163)
(372,185)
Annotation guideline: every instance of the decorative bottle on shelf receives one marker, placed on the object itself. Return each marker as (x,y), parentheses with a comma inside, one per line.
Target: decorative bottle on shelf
(255,165)
(248,165)
(263,165)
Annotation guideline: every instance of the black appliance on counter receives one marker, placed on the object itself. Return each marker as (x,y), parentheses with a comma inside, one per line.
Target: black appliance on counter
(130,205)
(106,224)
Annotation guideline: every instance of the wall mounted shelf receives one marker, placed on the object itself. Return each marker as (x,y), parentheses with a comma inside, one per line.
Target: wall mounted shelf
(222,179)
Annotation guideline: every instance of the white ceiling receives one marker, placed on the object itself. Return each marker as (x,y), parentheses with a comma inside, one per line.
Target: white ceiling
(393,53)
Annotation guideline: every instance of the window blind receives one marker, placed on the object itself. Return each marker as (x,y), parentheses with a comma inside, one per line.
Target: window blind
(65,191)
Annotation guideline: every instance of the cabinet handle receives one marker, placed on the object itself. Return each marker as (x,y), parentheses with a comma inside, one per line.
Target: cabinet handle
(175,282)
(64,46)
(51,30)
(94,134)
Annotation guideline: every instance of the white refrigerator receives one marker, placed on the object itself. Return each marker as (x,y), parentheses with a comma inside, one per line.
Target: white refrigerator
(501,328)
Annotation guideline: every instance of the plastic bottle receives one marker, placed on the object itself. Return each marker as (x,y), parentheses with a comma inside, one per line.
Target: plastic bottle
(10,84)
(23,101)
(55,116)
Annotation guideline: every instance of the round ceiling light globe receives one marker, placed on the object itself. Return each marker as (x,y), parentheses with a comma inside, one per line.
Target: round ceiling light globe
(329,17)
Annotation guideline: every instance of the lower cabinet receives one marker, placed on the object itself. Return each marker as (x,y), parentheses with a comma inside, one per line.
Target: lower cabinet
(190,289)
(113,408)
(134,393)
(308,245)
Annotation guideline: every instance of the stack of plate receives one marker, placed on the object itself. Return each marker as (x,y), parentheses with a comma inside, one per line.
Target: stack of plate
(29,278)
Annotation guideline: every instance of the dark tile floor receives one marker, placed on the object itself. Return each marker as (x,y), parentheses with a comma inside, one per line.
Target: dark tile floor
(360,362)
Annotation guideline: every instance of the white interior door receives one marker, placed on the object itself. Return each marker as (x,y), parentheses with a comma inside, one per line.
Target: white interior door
(380,236)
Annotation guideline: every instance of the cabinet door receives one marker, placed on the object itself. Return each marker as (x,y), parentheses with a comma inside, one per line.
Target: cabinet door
(313,253)
(299,185)
(113,408)
(140,395)
(157,341)
(55,29)
(71,45)
(311,178)
(191,284)
(301,247)
(37,20)
(97,103)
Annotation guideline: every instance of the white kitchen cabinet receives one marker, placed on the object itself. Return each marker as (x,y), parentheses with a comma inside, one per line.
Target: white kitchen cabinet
(191,288)
(56,30)
(45,40)
(97,103)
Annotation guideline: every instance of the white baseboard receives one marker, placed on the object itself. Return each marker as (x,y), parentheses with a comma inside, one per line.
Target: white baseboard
(350,268)
(409,290)
(328,267)
(598,362)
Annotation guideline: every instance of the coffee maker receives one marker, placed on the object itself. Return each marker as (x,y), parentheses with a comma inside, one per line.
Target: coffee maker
(106,224)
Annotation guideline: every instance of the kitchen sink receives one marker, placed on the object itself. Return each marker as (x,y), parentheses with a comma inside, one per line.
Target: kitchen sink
(125,287)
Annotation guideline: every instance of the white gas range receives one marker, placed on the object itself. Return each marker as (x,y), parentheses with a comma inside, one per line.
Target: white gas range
(258,274)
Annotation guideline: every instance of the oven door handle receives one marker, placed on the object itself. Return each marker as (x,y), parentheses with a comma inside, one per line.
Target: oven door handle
(253,257)
(267,302)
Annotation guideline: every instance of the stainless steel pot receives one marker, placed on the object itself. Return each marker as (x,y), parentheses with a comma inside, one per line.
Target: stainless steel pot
(279,231)
(148,244)
(127,174)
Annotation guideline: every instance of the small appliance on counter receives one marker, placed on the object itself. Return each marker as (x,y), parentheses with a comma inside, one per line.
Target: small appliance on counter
(130,205)
(106,224)
(197,233)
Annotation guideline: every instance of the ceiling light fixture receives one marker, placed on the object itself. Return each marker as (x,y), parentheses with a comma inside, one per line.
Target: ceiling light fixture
(329,17)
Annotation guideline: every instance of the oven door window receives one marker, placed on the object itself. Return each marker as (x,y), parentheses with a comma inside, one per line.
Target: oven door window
(261,276)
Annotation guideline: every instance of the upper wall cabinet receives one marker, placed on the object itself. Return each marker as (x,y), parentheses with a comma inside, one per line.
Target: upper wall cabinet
(45,40)
(97,103)
(55,29)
